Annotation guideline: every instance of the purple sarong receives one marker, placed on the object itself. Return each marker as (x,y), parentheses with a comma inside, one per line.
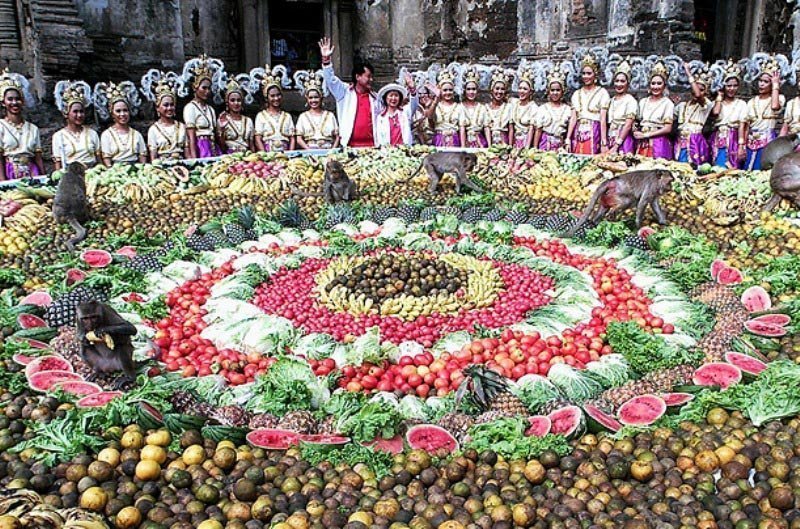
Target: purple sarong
(725,148)
(692,149)
(586,138)
(206,148)
(11,174)
(756,142)
(658,147)
(446,140)
(628,145)
(478,142)
(548,142)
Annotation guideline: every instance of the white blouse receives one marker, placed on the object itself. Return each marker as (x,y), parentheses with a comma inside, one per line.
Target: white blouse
(122,147)
(589,103)
(620,110)
(237,134)
(83,148)
(19,140)
(275,130)
(553,120)
(168,141)
(201,118)
(317,130)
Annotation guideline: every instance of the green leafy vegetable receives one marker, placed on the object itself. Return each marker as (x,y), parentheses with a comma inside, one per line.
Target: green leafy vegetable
(647,352)
(288,385)
(380,463)
(507,437)
(607,234)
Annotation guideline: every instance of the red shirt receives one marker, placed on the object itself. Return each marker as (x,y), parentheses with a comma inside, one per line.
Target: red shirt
(362,127)
(395,131)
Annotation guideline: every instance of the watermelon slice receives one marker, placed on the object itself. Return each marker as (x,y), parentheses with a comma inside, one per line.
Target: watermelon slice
(677,398)
(29,321)
(720,374)
(430,438)
(127,251)
(48,363)
(45,380)
(394,445)
(321,439)
(748,364)
(96,258)
(273,438)
(756,299)
(98,400)
(642,410)
(599,420)
(717,266)
(567,421)
(729,276)
(764,329)
(79,388)
(781,320)
(22,359)
(645,232)
(539,426)
(36,344)
(74,276)
(40,298)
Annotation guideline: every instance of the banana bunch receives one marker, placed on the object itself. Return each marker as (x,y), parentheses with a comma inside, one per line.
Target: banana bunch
(18,196)
(27,218)
(251,186)
(336,299)
(483,281)
(721,212)
(410,307)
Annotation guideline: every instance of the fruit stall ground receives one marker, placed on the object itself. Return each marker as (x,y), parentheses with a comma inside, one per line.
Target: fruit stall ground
(411,360)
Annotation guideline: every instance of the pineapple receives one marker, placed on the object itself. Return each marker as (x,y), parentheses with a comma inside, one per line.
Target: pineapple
(381,215)
(62,311)
(428,213)
(493,215)
(409,212)
(328,426)
(556,223)
(553,405)
(289,214)
(339,214)
(489,392)
(661,381)
(214,233)
(300,421)
(230,416)
(242,229)
(516,216)
(472,214)
(144,263)
(263,420)
(537,221)
(449,210)
(199,242)
(719,297)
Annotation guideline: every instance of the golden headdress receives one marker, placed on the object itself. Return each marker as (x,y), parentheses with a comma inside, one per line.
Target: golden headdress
(307,81)
(106,94)
(769,67)
(201,71)
(659,69)
(589,60)
(156,85)
(67,93)
(270,77)
(471,75)
(703,77)
(556,75)
(526,75)
(498,76)
(731,71)
(624,68)
(12,81)
(445,77)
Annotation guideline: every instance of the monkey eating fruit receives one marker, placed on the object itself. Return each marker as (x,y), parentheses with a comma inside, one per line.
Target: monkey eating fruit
(105,341)
(336,185)
(785,181)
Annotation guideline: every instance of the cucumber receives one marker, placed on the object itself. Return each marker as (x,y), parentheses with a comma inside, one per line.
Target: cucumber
(219,433)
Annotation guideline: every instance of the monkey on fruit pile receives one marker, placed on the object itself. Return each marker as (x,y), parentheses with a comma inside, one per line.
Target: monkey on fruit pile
(785,181)
(69,203)
(777,149)
(633,189)
(105,341)
(336,186)
(436,164)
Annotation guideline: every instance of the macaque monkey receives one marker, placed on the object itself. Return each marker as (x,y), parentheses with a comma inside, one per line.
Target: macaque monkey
(635,189)
(778,148)
(336,186)
(105,341)
(69,203)
(459,163)
(785,181)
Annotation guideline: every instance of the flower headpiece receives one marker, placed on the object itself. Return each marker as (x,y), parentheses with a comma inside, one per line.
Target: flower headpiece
(241,84)
(266,78)
(731,71)
(624,68)
(307,81)
(589,60)
(770,66)
(15,81)
(498,76)
(67,93)
(446,77)
(471,75)
(659,69)
(106,94)
(156,85)
(556,75)
(197,70)
(526,75)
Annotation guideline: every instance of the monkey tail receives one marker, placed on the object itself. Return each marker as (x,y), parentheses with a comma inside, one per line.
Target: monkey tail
(414,174)
(80,232)
(589,208)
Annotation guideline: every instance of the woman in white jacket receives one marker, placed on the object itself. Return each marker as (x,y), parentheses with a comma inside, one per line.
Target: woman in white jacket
(394,125)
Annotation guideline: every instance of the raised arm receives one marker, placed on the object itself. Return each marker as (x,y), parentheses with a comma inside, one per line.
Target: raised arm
(336,87)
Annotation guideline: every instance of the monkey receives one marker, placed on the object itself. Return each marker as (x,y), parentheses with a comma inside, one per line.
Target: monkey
(436,164)
(785,181)
(105,341)
(336,186)
(69,203)
(632,189)
(778,148)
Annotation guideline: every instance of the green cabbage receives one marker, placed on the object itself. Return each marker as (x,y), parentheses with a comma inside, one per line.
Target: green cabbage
(534,391)
(575,385)
(315,345)
(611,370)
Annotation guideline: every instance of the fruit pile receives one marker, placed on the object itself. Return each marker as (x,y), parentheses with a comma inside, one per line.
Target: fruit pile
(434,361)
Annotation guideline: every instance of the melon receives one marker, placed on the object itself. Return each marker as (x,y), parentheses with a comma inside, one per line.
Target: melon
(645,232)
(729,276)
(539,426)
(48,363)
(720,374)
(599,420)
(717,265)
(394,445)
(29,321)
(22,359)
(321,439)
(45,380)
(79,388)
(96,258)
(273,438)
(40,298)
(430,438)
(98,400)
(567,421)
(148,416)
(74,276)
(127,251)
(764,329)
(642,410)
(779,320)
(35,344)
(756,299)
(748,364)
(677,398)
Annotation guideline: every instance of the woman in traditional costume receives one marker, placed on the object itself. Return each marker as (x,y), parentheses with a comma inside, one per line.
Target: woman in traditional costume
(728,145)
(393,125)
(236,132)
(119,143)
(199,116)
(475,113)
(587,125)
(274,126)
(622,112)
(501,125)
(423,131)
(316,128)
(20,147)
(763,112)
(656,113)
(166,138)
(552,117)
(524,109)
(75,142)
(449,123)
(692,146)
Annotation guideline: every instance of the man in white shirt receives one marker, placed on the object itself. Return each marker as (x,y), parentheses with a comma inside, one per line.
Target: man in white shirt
(357,106)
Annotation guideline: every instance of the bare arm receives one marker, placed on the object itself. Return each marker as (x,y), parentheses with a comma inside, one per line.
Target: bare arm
(39,161)
(301,142)
(776,91)
(537,137)
(573,120)
(259,143)
(603,129)
(2,167)
(191,139)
